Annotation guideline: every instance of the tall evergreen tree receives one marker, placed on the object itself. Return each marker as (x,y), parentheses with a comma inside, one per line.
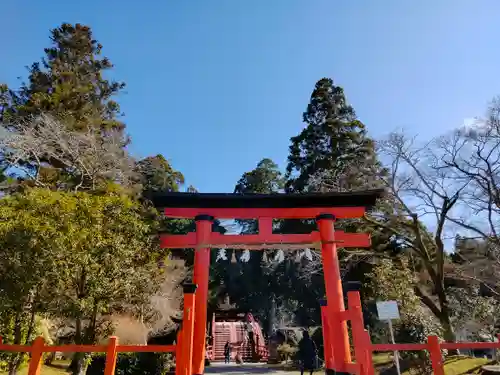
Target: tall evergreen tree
(266,178)
(332,141)
(157,175)
(264,285)
(332,153)
(251,284)
(69,83)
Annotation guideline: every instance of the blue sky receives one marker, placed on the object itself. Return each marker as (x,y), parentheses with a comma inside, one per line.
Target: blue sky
(216,85)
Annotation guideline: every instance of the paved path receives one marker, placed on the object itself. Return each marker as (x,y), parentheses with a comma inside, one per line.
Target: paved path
(246,368)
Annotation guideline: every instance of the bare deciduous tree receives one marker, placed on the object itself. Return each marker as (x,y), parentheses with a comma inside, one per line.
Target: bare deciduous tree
(437,191)
(357,175)
(85,159)
(167,302)
(419,202)
(156,317)
(470,157)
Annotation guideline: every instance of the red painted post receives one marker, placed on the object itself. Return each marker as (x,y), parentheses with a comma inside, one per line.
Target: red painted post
(180,364)
(188,327)
(327,342)
(367,346)
(358,327)
(435,354)
(111,356)
(334,293)
(35,365)
(497,349)
(200,277)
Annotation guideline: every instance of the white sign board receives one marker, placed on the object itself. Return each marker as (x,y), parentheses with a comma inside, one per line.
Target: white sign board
(387,310)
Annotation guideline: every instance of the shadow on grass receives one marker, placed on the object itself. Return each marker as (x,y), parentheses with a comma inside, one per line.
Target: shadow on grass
(59,366)
(244,369)
(476,369)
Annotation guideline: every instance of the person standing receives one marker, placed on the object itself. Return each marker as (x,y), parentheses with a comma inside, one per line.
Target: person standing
(250,334)
(227,352)
(307,354)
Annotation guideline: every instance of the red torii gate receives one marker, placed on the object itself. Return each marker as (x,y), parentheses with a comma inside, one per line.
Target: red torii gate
(325,208)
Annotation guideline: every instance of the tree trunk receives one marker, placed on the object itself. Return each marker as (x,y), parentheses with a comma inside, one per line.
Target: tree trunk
(50,358)
(16,358)
(19,357)
(444,316)
(80,363)
(15,363)
(272,317)
(84,336)
(74,366)
(448,332)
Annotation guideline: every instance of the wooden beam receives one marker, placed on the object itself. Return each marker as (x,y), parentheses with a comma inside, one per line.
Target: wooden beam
(217,240)
(275,213)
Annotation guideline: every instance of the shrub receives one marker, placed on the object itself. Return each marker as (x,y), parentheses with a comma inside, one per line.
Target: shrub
(133,364)
(287,351)
(317,336)
(415,328)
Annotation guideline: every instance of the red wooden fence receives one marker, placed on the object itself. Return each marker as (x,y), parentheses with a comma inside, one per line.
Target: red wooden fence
(434,347)
(363,347)
(363,351)
(183,349)
(111,349)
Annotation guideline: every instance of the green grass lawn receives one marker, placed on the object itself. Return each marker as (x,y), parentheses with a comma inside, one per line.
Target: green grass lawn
(457,365)
(58,368)
(463,365)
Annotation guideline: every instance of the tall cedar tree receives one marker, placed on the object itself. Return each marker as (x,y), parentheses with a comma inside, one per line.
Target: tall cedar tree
(157,175)
(332,140)
(266,178)
(267,288)
(253,285)
(238,280)
(333,151)
(69,83)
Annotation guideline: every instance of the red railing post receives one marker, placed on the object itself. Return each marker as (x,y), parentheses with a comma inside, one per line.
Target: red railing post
(368,353)
(111,356)
(497,349)
(358,327)
(201,270)
(334,292)
(35,365)
(188,328)
(327,340)
(179,360)
(435,353)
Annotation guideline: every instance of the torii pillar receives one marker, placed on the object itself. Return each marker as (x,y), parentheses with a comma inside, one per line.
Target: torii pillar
(203,208)
(339,335)
(201,277)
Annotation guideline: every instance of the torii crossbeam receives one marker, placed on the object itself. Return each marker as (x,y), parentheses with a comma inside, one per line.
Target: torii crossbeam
(325,208)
